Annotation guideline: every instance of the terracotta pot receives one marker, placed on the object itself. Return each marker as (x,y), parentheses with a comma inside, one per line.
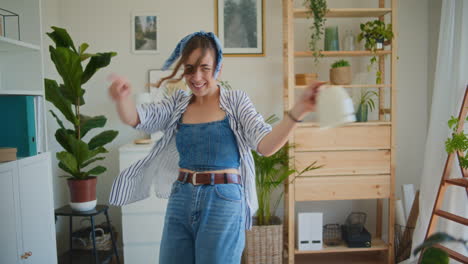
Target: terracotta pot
(305,78)
(82,193)
(340,75)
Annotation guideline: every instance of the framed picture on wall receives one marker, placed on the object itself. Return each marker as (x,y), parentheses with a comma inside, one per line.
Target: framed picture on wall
(239,24)
(145,37)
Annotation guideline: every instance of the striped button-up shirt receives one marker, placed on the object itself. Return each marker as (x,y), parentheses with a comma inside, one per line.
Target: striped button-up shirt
(160,166)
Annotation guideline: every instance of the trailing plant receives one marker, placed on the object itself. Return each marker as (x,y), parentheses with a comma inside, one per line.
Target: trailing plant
(270,173)
(458,142)
(375,32)
(68,97)
(434,255)
(317,8)
(340,63)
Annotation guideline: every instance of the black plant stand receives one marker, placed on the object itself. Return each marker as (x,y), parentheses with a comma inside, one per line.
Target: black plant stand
(74,255)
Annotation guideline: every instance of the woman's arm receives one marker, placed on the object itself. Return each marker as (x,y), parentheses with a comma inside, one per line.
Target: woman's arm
(274,140)
(120,91)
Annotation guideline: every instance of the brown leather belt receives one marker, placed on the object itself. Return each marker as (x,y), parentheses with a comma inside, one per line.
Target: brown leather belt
(205,178)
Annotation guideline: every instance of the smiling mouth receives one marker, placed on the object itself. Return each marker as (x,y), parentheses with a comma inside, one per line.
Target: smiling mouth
(198,85)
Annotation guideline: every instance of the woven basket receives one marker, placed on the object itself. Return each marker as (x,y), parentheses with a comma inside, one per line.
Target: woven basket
(83,238)
(264,245)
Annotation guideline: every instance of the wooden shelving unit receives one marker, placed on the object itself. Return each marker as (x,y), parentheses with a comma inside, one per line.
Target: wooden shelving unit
(359,158)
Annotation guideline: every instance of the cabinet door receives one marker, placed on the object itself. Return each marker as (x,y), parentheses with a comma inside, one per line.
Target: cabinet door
(37,210)
(9,227)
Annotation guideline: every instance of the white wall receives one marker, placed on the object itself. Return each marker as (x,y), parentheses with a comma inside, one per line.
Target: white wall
(105,26)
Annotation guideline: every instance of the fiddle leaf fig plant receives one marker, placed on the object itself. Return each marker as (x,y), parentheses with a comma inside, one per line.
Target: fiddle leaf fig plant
(68,97)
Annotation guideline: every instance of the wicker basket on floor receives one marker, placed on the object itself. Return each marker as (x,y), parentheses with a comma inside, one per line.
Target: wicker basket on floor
(264,245)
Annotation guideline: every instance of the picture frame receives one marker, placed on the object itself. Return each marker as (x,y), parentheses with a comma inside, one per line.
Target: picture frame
(239,25)
(145,32)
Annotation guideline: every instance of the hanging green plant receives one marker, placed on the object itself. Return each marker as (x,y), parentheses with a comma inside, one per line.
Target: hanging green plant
(318,9)
(377,34)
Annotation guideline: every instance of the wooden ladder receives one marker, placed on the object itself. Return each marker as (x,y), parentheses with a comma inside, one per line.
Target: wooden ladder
(444,183)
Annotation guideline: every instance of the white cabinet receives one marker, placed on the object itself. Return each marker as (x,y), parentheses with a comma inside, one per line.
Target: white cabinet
(143,221)
(27,222)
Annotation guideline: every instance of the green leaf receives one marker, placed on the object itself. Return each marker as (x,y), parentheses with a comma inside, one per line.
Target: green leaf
(68,65)
(436,238)
(91,161)
(54,96)
(434,255)
(83,48)
(60,123)
(61,38)
(88,123)
(68,161)
(97,170)
(96,151)
(97,61)
(452,123)
(65,168)
(65,140)
(68,93)
(85,56)
(102,138)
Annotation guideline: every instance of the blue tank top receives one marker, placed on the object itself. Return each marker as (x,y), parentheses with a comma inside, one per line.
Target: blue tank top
(207,146)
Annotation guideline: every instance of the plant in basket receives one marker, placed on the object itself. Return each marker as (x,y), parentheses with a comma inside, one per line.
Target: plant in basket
(68,98)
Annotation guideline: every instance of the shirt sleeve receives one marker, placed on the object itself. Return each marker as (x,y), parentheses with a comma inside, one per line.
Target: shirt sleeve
(155,116)
(253,125)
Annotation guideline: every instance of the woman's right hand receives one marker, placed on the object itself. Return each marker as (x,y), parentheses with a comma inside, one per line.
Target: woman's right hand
(119,89)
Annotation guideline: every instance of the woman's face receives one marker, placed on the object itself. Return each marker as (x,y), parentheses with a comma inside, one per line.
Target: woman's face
(201,80)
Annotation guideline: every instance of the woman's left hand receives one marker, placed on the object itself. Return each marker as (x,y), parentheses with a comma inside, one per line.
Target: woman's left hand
(307,101)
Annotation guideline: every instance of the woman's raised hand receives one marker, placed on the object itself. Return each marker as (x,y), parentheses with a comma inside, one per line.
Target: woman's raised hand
(119,89)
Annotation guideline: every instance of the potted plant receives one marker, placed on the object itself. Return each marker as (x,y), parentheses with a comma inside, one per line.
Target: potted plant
(377,34)
(264,242)
(458,142)
(317,8)
(68,98)
(365,103)
(434,255)
(340,72)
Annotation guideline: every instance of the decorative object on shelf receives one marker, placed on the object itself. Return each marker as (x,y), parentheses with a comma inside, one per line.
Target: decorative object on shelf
(317,8)
(332,234)
(7,154)
(145,33)
(377,34)
(334,107)
(332,40)
(309,231)
(365,103)
(78,154)
(305,78)
(264,242)
(83,237)
(354,232)
(431,254)
(239,26)
(349,41)
(340,72)
(9,24)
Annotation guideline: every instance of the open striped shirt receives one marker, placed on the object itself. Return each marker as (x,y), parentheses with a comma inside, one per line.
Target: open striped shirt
(160,166)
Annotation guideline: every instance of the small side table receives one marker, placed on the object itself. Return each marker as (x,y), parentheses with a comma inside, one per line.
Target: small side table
(68,211)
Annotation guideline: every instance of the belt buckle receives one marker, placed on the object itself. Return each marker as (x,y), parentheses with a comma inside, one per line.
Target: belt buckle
(194,178)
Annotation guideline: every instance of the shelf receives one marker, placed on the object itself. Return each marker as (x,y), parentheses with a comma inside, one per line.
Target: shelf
(345,12)
(361,257)
(7,44)
(25,92)
(369,123)
(353,53)
(377,245)
(352,86)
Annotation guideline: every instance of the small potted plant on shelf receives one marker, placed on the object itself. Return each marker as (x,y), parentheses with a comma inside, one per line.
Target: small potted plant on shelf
(365,103)
(264,242)
(377,34)
(68,98)
(317,8)
(340,72)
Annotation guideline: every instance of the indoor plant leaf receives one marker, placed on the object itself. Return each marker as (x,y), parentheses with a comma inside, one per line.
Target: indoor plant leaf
(86,163)
(102,138)
(54,96)
(97,61)
(88,123)
(434,239)
(96,170)
(434,255)
(61,38)
(68,161)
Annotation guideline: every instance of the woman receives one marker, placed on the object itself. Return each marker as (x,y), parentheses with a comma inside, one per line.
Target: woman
(206,150)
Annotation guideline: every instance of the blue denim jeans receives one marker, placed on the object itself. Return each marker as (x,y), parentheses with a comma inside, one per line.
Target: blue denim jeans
(204,224)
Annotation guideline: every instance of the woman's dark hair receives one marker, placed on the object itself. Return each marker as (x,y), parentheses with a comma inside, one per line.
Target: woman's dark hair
(199,41)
